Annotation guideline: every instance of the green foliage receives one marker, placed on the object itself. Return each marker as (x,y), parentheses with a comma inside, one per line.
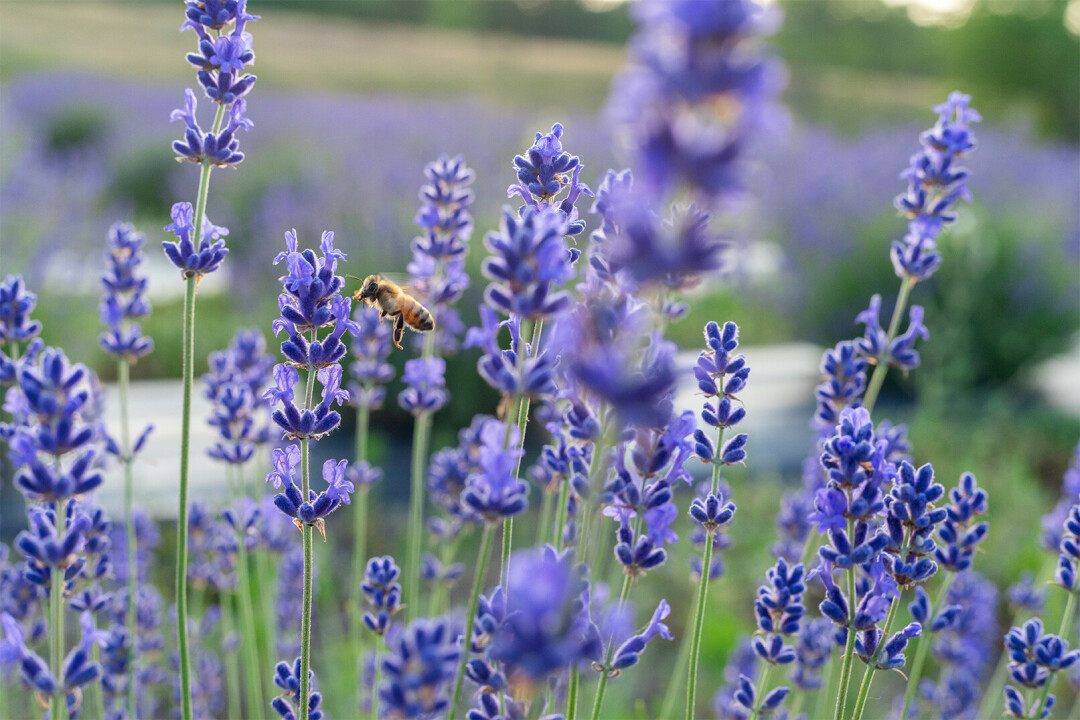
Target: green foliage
(144,179)
(75,129)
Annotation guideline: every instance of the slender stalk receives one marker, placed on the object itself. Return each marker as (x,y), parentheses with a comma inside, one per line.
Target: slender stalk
(759,692)
(601,686)
(482,558)
(123,372)
(182,514)
(560,512)
(849,649)
(356,604)
(703,590)
(522,417)
(185,442)
(868,676)
(1066,621)
(547,505)
(57,703)
(411,588)
(924,647)
(232,668)
(667,710)
(305,622)
(253,684)
(825,691)
(882,368)
(572,692)
(264,580)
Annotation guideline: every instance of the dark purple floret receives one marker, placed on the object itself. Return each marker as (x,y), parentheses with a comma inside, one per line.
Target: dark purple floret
(529,264)
(182,253)
(543,172)
(419,669)
(699,92)
(494,491)
(959,534)
(382,593)
(547,631)
(16,304)
(935,183)
(288,679)
(425,382)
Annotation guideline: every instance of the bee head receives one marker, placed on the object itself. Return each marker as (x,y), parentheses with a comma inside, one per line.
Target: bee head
(370,287)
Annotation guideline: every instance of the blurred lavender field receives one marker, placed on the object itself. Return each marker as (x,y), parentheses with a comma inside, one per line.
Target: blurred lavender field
(80,151)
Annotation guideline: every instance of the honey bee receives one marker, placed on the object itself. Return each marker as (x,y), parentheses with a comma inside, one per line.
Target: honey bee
(396,304)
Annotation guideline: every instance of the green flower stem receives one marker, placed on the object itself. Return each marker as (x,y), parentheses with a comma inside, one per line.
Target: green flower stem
(94,690)
(232,668)
(123,373)
(703,590)
(356,604)
(667,710)
(305,622)
(57,704)
(876,380)
(924,646)
(264,581)
(182,514)
(482,558)
(522,417)
(547,505)
(849,649)
(247,612)
(601,686)
(411,588)
(560,512)
(185,442)
(868,676)
(825,691)
(759,692)
(572,693)
(441,592)
(1066,621)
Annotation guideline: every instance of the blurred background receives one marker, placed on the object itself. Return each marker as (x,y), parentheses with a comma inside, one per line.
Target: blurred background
(355,97)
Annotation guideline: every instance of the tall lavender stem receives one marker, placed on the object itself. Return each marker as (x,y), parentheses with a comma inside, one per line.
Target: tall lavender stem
(185,442)
(123,371)
(482,558)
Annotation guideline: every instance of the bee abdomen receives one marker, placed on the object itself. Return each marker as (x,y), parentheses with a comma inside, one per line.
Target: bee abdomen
(424,320)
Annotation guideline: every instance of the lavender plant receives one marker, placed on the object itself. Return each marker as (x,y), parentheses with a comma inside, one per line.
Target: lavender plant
(602,381)
(224,53)
(124,302)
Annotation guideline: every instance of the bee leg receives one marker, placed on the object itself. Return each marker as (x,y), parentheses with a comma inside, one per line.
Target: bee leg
(399,330)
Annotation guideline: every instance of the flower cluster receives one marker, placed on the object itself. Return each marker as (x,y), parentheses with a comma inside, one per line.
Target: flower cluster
(311,301)
(382,592)
(234,388)
(288,705)
(125,295)
(779,610)
(418,670)
(316,506)
(1034,658)
(698,92)
(935,182)
(437,270)
(543,172)
(194,261)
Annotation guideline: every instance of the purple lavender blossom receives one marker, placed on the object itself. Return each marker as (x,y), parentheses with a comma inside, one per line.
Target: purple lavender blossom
(418,670)
(544,171)
(545,627)
(935,183)
(425,390)
(697,94)
(192,261)
(124,299)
